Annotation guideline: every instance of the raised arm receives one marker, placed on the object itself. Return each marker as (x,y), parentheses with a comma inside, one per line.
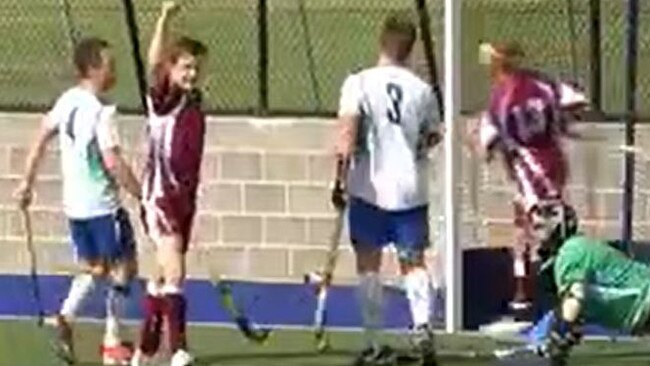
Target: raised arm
(160,39)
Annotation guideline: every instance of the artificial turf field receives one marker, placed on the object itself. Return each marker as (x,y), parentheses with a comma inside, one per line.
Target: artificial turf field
(23,344)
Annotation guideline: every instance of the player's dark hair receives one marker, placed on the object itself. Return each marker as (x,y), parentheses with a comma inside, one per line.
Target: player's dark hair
(185,45)
(398,36)
(88,54)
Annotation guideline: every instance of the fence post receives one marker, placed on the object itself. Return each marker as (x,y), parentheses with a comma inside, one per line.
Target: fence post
(630,118)
(595,56)
(263,57)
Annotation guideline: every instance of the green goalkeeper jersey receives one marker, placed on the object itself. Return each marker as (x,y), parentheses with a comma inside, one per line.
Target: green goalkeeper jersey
(617,288)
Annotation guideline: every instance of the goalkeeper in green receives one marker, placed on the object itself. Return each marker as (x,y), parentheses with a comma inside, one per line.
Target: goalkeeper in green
(593,281)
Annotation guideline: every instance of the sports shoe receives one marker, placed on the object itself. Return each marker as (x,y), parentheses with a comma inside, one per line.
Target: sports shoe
(423,341)
(181,358)
(382,356)
(116,355)
(140,359)
(63,342)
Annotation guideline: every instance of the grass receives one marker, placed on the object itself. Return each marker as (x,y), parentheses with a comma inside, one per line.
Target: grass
(21,343)
(341,35)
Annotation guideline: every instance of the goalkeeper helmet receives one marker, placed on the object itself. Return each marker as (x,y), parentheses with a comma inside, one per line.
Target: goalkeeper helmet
(552,224)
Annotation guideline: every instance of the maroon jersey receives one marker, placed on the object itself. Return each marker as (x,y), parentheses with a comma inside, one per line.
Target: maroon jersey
(525,122)
(175,131)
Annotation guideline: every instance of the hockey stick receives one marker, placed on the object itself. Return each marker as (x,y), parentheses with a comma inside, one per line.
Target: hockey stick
(323,280)
(62,354)
(249,329)
(33,266)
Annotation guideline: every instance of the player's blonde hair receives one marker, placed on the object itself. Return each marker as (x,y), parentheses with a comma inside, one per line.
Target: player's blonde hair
(503,55)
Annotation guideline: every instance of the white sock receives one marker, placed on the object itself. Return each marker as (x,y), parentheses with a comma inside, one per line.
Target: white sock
(371,300)
(519,267)
(419,293)
(115,299)
(169,289)
(80,287)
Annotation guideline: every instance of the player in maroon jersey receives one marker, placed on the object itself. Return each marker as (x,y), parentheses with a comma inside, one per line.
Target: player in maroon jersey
(525,122)
(175,132)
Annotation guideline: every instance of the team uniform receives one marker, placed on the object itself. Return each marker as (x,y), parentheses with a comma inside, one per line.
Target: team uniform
(525,122)
(617,288)
(175,130)
(387,186)
(388,176)
(99,227)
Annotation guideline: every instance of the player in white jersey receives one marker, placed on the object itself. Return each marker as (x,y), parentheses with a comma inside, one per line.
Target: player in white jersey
(387,123)
(92,169)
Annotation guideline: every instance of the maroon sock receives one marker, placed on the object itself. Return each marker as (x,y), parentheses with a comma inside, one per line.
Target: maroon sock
(174,310)
(151,329)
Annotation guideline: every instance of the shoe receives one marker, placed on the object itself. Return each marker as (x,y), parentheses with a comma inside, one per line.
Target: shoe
(116,355)
(423,341)
(140,359)
(181,358)
(63,341)
(382,356)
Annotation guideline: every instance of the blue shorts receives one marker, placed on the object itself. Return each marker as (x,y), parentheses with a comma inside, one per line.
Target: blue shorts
(107,238)
(374,227)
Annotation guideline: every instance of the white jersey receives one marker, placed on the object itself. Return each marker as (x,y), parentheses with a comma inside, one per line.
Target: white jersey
(397,113)
(85,127)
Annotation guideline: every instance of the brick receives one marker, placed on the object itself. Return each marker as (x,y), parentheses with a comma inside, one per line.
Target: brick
(7,187)
(285,230)
(320,231)
(265,262)
(237,165)
(5,216)
(49,192)
(210,166)
(285,167)
(4,160)
(307,260)
(264,198)
(500,235)
(221,197)
(321,168)
(13,259)
(206,229)
(45,224)
(495,203)
(241,229)
(49,166)
(309,199)
(608,205)
(227,261)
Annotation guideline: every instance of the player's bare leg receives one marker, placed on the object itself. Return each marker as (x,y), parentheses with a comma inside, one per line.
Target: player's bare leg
(171,258)
(419,291)
(370,293)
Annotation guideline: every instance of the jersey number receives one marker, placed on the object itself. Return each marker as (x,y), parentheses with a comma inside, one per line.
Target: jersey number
(395,94)
(69,125)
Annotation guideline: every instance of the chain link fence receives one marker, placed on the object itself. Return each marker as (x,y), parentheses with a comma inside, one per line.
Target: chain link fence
(290,56)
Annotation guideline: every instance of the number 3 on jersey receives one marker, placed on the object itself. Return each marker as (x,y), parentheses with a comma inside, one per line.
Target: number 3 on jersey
(395,94)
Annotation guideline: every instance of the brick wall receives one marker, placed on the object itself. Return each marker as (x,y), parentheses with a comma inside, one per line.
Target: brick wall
(264,209)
